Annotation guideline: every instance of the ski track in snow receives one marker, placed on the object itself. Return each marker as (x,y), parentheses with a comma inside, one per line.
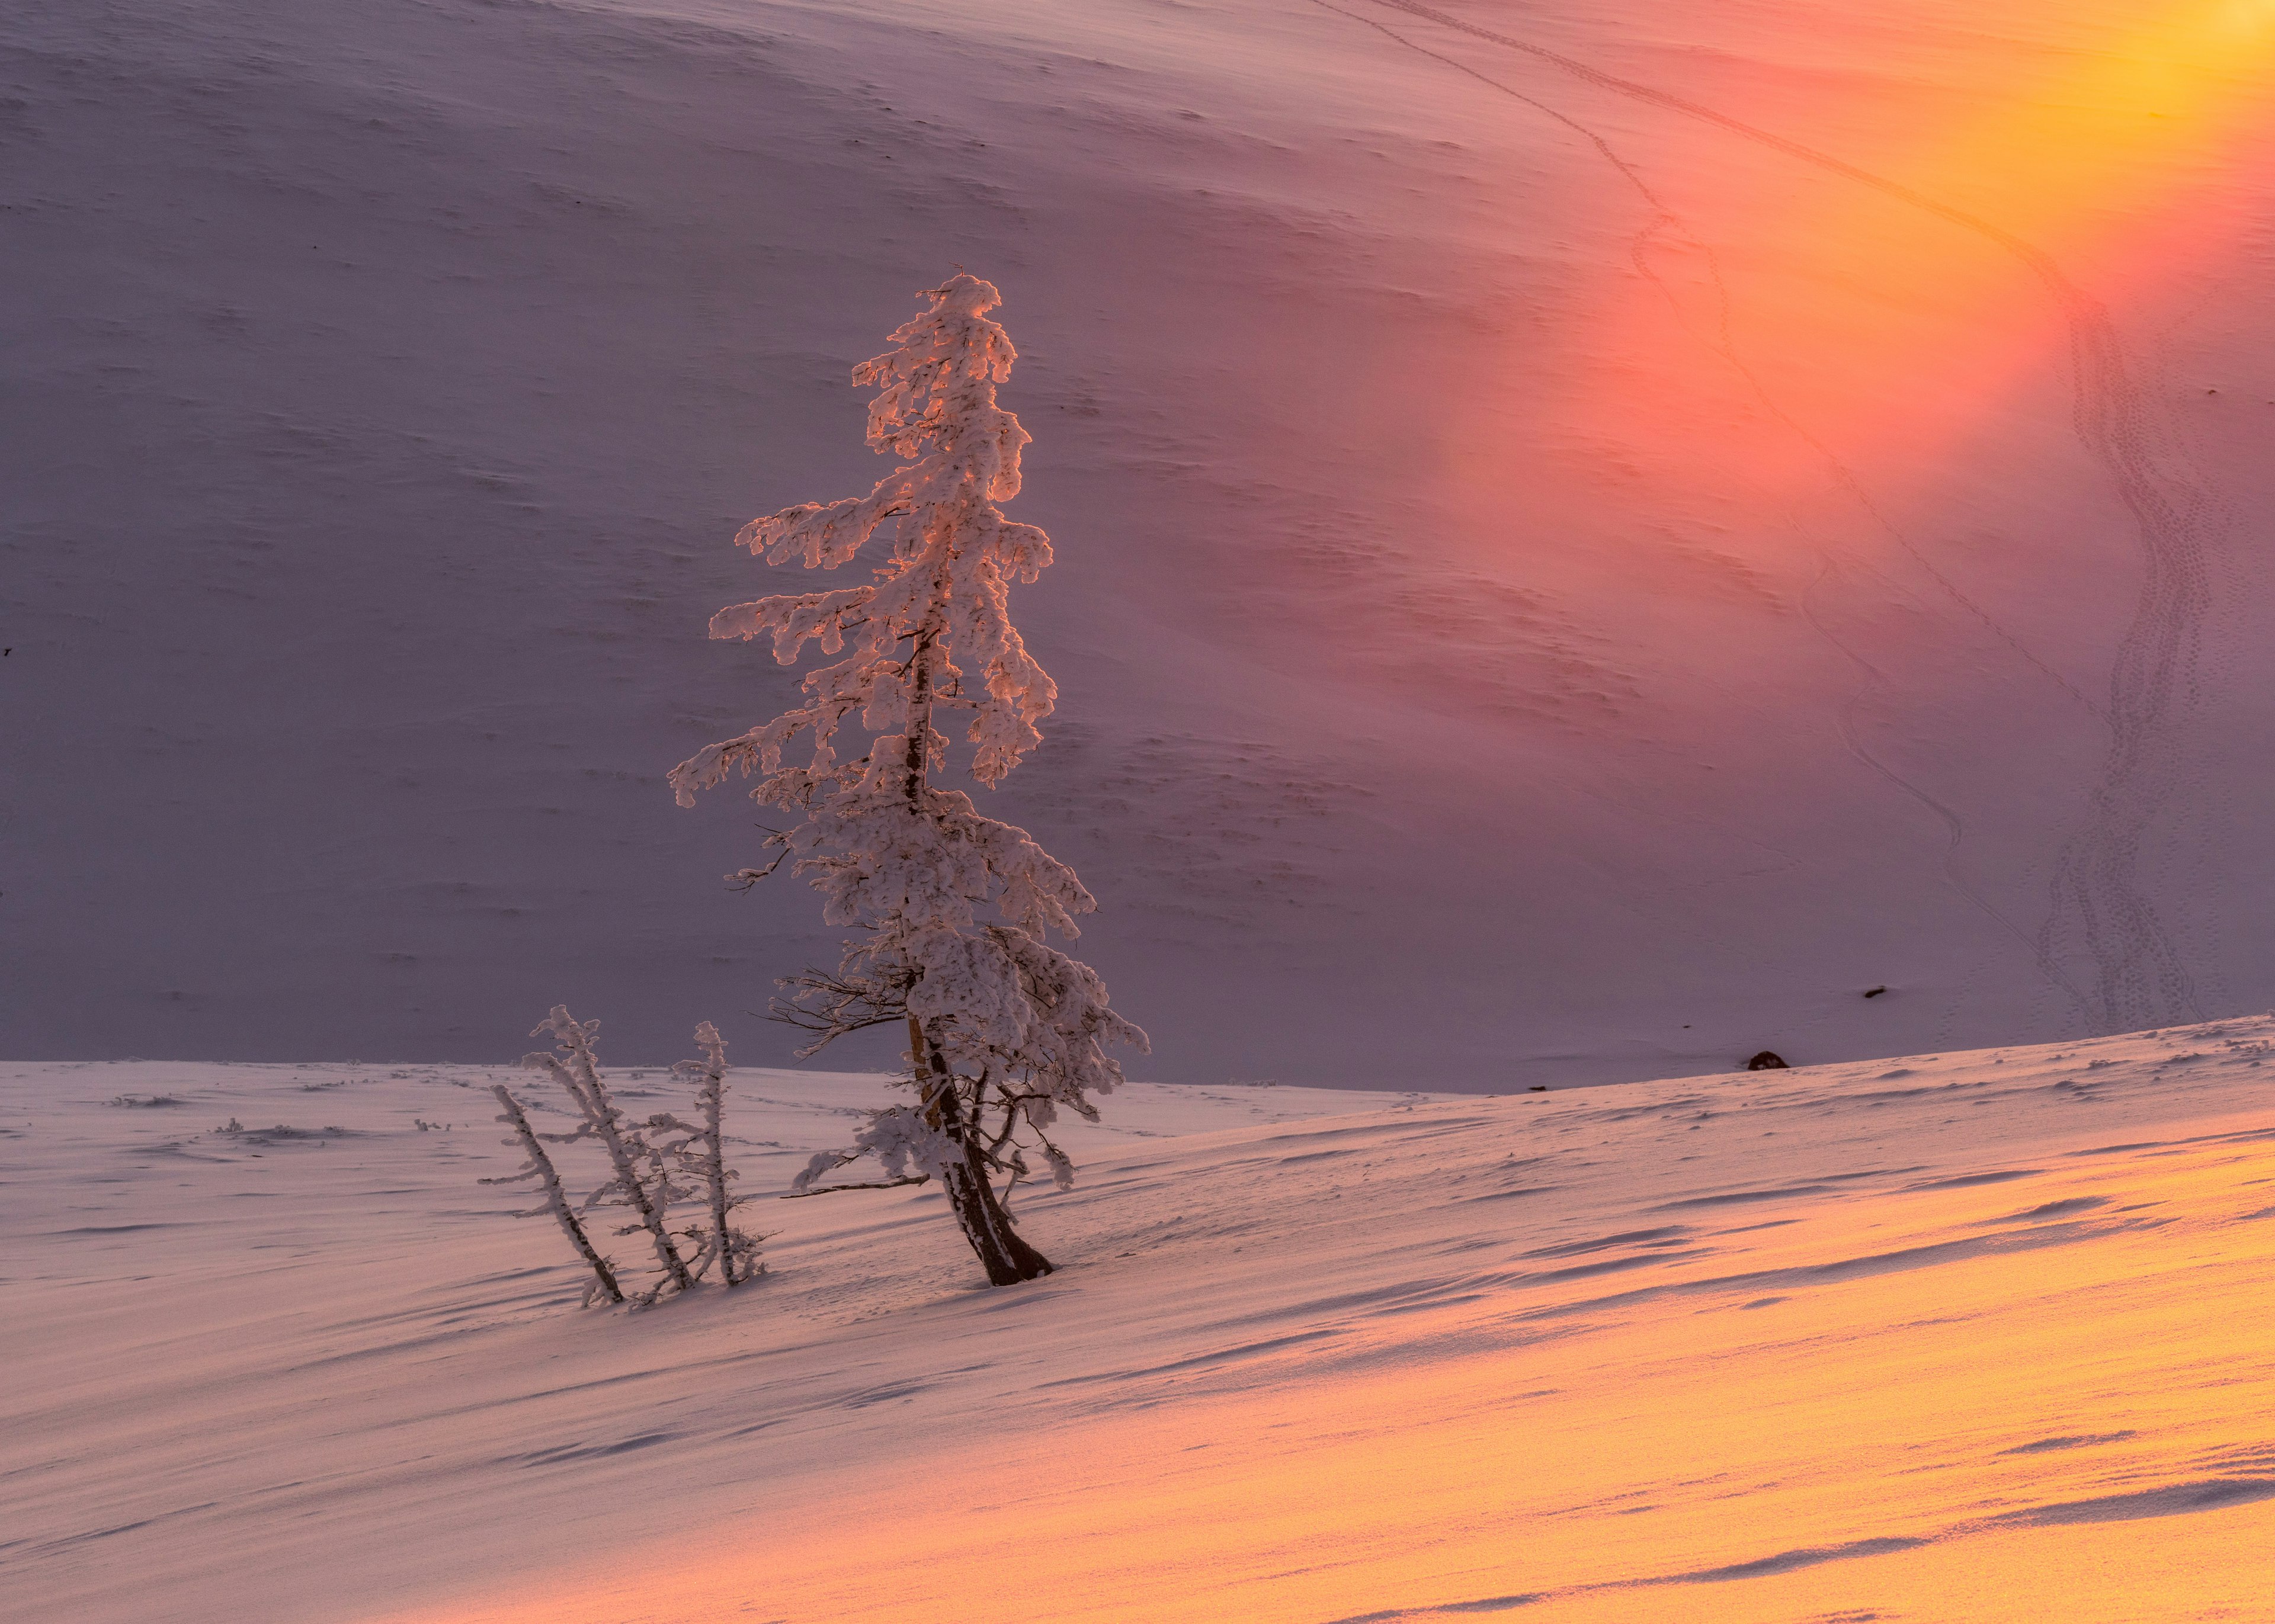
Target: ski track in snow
(1723,345)
(1955,826)
(2097,904)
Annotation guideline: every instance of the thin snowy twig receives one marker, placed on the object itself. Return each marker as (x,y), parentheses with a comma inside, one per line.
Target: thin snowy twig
(540,1167)
(736,1252)
(578,1071)
(743,878)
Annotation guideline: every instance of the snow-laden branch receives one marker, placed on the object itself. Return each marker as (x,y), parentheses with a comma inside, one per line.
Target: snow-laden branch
(795,621)
(701,1151)
(640,1183)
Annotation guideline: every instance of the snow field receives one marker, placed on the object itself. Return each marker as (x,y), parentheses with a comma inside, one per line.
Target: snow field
(1970,1335)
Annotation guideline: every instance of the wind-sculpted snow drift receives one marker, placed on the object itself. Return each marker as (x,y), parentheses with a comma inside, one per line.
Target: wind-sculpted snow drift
(1973,1334)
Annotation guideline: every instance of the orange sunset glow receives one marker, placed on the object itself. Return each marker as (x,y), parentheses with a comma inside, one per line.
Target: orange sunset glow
(1802,309)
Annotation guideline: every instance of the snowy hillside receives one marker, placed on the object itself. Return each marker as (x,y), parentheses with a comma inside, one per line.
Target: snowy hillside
(1589,534)
(1974,1335)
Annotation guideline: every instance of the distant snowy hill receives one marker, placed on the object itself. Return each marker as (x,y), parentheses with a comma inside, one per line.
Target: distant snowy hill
(1965,1335)
(1590,535)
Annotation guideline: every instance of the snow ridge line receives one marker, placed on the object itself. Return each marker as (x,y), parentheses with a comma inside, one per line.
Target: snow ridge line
(2141,980)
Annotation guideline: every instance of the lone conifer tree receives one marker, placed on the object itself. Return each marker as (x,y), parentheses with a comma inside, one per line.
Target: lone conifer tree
(1003,1028)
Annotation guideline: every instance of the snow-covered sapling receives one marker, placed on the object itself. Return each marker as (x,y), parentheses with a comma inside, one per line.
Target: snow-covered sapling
(700,1151)
(641,1177)
(644,1173)
(1003,1028)
(538,1167)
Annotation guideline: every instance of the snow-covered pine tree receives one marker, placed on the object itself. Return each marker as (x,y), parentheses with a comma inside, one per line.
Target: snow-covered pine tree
(1004,1029)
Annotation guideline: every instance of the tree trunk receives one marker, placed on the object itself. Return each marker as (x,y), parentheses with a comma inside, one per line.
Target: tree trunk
(971,1193)
(1007,1257)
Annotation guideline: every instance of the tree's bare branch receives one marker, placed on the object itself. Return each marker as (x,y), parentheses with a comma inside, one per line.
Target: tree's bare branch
(834,1190)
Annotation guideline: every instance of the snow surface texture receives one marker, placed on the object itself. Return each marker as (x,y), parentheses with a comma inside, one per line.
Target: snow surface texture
(1968,1336)
(1559,575)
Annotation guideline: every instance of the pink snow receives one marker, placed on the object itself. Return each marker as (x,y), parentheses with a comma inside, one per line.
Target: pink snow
(1978,1332)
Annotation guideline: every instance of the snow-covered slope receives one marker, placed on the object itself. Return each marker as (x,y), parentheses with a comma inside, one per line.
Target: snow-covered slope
(1977,1335)
(1583,544)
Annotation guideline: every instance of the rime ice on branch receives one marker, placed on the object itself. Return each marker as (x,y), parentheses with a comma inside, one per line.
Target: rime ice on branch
(641,1180)
(951,909)
(538,1167)
(643,1173)
(701,1152)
